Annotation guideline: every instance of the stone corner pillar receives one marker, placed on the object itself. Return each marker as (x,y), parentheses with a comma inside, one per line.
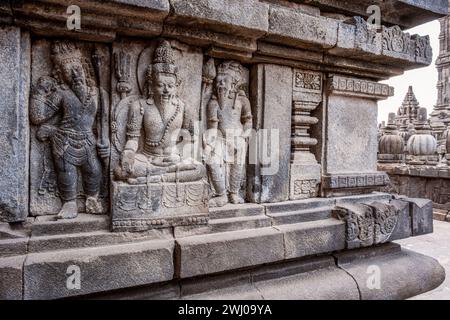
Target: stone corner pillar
(351,137)
(14,130)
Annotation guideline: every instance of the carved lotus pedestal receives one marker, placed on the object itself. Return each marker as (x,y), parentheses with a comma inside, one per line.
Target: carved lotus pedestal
(158,205)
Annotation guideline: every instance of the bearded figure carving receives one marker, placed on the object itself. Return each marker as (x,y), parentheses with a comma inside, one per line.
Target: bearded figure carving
(73,96)
(230,121)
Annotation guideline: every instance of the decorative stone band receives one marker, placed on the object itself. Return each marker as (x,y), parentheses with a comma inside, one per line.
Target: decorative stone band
(146,224)
(368,225)
(359,88)
(342,181)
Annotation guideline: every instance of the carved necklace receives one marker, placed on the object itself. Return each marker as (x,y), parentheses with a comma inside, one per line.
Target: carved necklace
(166,130)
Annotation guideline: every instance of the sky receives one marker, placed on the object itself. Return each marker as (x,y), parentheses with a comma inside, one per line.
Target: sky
(423,80)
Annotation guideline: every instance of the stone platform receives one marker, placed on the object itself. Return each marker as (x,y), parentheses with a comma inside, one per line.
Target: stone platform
(246,251)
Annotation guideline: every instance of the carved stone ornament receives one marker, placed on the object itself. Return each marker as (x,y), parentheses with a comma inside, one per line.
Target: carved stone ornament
(367,225)
(65,108)
(360,88)
(154,184)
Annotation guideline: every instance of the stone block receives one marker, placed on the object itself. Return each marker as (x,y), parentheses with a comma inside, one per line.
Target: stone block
(299,29)
(11,277)
(393,276)
(12,247)
(323,284)
(313,238)
(403,228)
(14,132)
(53,275)
(246,18)
(207,254)
(421,214)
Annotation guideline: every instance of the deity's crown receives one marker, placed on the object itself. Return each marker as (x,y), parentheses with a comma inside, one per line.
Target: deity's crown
(163,59)
(232,68)
(64,52)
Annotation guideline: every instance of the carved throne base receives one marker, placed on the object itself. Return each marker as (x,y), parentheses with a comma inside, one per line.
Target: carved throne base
(158,205)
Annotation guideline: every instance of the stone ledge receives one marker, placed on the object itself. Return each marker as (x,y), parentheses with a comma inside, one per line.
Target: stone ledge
(102,269)
(228,30)
(214,253)
(347,279)
(248,18)
(404,274)
(11,278)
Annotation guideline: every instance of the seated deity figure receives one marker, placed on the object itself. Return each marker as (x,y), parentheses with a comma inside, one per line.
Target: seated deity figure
(230,122)
(153,128)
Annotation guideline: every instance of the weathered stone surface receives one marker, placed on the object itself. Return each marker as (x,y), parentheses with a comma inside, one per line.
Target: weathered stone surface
(14,132)
(311,238)
(403,228)
(353,101)
(208,254)
(47,225)
(92,239)
(422,215)
(299,29)
(272,103)
(322,284)
(403,274)
(345,144)
(13,247)
(423,11)
(106,268)
(247,17)
(11,278)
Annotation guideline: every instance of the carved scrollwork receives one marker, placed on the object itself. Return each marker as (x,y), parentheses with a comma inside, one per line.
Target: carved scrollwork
(367,225)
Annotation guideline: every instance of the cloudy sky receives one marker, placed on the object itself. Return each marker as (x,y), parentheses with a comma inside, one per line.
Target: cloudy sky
(423,80)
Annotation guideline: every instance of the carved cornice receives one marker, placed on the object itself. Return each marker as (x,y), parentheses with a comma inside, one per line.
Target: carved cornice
(360,88)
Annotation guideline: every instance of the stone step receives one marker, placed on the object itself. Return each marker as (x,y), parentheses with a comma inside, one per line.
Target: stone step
(13,247)
(224,225)
(219,252)
(233,211)
(47,225)
(301,216)
(298,205)
(93,239)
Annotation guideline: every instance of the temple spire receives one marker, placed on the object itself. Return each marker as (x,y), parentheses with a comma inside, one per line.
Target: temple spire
(408,111)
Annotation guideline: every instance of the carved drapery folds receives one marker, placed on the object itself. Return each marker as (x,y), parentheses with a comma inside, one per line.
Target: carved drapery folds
(305,170)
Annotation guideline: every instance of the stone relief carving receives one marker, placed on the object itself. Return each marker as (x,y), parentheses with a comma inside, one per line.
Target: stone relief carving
(155,183)
(395,40)
(367,225)
(70,110)
(424,51)
(229,122)
(365,33)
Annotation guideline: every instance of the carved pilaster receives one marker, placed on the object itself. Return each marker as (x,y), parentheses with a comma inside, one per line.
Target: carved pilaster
(305,170)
